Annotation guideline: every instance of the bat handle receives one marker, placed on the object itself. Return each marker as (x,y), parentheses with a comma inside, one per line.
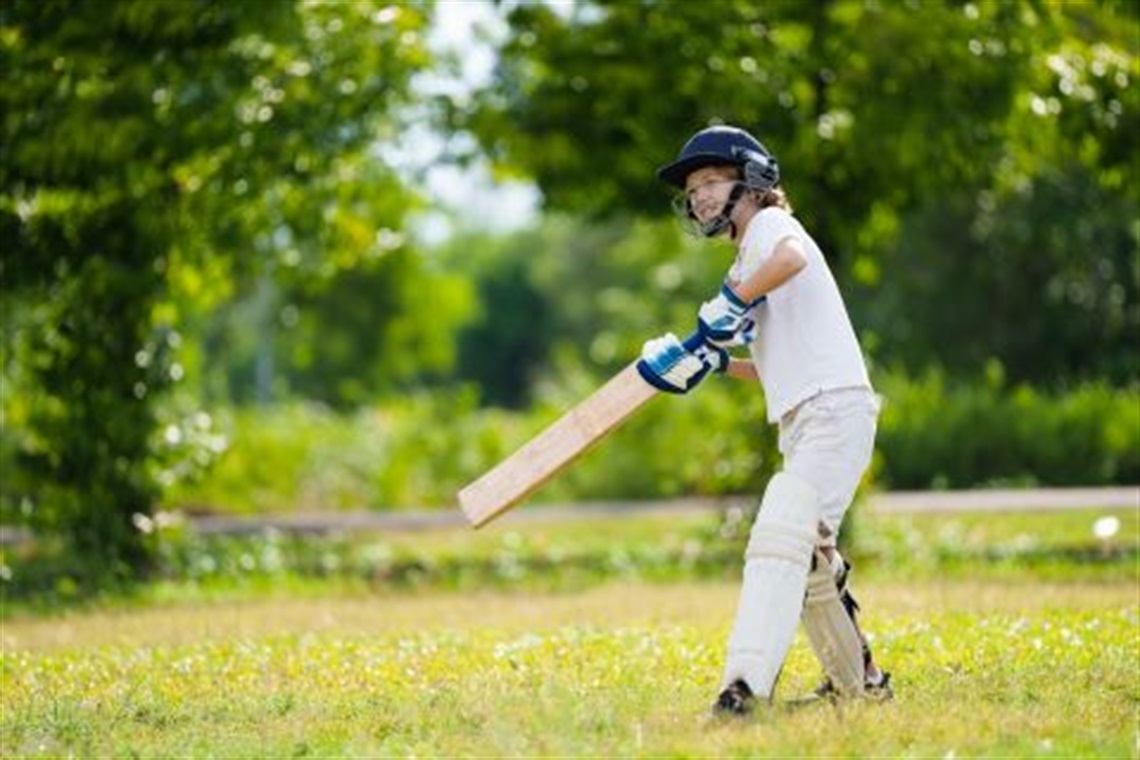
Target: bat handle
(695,341)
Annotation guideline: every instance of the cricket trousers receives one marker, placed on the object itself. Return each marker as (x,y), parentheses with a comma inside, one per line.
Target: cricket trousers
(828,441)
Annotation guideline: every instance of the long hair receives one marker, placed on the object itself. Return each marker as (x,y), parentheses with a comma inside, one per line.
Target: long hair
(774,197)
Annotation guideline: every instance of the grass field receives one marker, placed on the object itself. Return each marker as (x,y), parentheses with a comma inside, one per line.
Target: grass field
(986,663)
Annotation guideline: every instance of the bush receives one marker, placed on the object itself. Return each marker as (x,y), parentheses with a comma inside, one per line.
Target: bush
(305,457)
(419,451)
(940,434)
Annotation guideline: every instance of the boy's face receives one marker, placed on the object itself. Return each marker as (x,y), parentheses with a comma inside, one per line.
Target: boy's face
(707,190)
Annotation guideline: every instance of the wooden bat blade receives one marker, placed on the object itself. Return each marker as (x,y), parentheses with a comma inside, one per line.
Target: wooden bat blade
(549,452)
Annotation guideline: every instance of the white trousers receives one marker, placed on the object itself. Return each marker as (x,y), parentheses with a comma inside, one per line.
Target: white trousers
(828,441)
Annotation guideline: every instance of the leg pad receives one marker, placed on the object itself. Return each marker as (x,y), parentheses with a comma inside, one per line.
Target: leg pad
(776,566)
(831,629)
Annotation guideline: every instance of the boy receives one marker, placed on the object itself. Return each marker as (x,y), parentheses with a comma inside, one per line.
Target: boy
(780,300)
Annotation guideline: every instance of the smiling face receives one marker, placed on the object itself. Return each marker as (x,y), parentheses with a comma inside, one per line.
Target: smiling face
(707,190)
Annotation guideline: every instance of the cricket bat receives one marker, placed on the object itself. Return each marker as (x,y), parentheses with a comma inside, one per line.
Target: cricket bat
(552,450)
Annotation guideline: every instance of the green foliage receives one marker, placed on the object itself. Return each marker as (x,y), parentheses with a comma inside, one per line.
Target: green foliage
(198,207)
(580,107)
(573,554)
(96,363)
(936,433)
(1061,300)
(365,332)
(567,295)
(965,164)
(307,457)
(153,150)
(419,452)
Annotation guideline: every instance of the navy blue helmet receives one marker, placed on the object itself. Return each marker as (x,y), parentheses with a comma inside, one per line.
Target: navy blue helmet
(721,146)
(724,146)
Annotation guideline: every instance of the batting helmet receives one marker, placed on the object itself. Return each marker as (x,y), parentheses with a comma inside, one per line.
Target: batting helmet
(724,146)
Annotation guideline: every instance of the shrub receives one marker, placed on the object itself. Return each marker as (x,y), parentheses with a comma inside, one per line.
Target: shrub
(421,451)
(418,451)
(935,433)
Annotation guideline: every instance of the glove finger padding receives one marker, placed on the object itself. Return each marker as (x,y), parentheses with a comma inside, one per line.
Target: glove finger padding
(668,365)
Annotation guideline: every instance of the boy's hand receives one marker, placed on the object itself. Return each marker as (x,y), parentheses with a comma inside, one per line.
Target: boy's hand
(675,367)
(708,352)
(725,320)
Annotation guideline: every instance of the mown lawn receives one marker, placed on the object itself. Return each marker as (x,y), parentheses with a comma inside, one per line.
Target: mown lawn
(986,663)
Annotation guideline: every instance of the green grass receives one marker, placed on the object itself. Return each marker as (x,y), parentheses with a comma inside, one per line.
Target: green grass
(981,669)
(1008,635)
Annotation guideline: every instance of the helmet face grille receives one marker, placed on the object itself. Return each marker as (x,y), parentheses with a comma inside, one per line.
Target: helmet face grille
(683,209)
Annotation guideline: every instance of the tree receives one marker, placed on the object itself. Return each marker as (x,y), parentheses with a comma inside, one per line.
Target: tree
(862,102)
(882,115)
(1036,266)
(152,151)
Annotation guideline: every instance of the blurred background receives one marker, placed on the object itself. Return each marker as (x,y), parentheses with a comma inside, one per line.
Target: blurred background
(281,257)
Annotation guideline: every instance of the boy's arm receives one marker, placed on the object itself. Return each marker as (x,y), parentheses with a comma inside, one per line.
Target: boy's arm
(742,369)
(787,259)
(725,320)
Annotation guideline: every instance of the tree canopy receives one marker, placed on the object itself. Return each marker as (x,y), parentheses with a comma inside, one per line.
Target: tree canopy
(155,155)
(201,205)
(886,118)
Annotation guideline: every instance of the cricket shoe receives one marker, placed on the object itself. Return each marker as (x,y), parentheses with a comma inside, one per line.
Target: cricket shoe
(737,700)
(873,691)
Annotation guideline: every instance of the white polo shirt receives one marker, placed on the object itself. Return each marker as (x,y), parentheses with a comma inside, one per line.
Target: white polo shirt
(806,344)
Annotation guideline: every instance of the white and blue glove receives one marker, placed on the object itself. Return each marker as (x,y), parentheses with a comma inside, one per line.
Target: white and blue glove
(708,352)
(675,367)
(727,320)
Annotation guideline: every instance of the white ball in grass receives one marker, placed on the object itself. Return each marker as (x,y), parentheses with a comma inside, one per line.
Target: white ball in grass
(1106,527)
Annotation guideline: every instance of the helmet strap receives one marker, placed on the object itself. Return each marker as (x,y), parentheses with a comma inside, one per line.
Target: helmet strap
(718,223)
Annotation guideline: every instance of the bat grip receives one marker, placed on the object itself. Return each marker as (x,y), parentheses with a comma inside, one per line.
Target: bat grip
(695,341)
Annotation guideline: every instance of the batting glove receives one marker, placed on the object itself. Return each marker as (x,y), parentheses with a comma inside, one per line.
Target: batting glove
(667,365)
(726,319)
(675,367)
(708,352)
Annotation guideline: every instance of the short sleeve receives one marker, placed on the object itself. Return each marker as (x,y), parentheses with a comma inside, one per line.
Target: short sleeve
(768,228)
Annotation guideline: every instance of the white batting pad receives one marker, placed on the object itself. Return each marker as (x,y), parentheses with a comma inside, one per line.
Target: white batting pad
(831,631)
(776,566)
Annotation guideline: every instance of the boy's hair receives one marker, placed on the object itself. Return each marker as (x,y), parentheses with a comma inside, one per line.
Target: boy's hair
(774,197)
